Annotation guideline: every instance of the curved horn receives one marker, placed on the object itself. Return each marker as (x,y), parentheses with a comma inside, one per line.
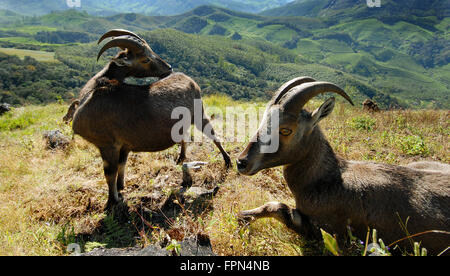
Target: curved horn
(289,85)
(124,42)
(305,92)
(119,32)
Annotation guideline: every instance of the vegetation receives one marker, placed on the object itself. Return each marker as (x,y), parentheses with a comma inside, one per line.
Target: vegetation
(30,81)
(39,56)
(373,57)
(49,199)
(398,57)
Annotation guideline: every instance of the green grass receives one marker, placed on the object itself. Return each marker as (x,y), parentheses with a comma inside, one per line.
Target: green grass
(38,55)
(30,29)
(25,40)
(51,198)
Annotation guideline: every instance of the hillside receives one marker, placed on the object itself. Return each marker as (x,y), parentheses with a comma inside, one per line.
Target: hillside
(51,198)
(374,58)
(242,69)
(154,7)
(390,10)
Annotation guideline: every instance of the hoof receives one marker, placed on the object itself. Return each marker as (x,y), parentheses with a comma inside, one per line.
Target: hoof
(180,160)
(245,219)
(113,204)
(228,163)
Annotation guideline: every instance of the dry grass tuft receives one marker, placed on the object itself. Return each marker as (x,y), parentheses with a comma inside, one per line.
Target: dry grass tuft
(51,198)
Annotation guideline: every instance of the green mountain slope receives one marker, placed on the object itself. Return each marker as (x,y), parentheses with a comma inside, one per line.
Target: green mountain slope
(310,8)
(351,9)
(407,60)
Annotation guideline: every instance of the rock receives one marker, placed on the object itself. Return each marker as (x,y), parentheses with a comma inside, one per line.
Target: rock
(4,107)
(370,105)
(188,247)
(132,251)
(199,192)
(192,247)
(187,167)
(56,140)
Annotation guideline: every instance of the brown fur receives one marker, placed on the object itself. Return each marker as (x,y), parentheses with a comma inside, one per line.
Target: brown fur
(332,192)
(123,118)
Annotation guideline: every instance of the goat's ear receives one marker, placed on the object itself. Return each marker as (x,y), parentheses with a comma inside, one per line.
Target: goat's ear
(323,111)
(123,61)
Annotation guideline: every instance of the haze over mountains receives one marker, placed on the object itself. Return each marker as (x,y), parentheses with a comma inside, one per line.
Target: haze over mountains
(148,7)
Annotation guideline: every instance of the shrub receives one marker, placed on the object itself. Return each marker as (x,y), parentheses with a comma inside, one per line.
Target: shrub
(363,123)
(10,122)
(413,145)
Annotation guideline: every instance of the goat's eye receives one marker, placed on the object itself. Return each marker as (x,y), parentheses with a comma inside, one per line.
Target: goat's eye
(285,131)
(147,60)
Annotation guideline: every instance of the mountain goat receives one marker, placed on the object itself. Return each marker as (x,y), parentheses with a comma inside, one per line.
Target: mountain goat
(334,193)
(119,118)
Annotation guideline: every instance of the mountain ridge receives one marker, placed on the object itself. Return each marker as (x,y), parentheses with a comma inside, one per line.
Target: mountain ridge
(156,7)
(360,9)
(374,57)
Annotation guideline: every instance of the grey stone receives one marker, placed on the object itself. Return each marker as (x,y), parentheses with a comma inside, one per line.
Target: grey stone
(4,107)
(188,247)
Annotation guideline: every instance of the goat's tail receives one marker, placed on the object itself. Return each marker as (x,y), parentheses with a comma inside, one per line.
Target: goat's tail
(71,112)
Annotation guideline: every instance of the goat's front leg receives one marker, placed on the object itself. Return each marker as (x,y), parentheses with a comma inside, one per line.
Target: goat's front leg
(292,218)
(110,158)
(225,155)
(123,157)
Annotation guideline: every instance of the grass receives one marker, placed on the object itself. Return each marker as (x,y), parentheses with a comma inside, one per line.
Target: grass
(30,30)
(38,55)
(49,199)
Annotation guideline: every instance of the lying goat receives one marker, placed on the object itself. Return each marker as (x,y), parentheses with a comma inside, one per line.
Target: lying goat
(331,192)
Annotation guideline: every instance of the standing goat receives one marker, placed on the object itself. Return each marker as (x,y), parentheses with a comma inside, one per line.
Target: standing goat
(119,118)
(333,193)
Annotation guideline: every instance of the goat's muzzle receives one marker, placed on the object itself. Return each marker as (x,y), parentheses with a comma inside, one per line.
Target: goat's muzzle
(165,75)
(242,165)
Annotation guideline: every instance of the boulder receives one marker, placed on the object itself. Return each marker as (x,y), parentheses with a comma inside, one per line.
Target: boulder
(4,107)
(187,248)
(370,106)
(56,140)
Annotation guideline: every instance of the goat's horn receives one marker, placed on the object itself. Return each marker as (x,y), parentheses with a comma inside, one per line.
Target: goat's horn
(305,92)
(124,42)
(289,85)
(119,32)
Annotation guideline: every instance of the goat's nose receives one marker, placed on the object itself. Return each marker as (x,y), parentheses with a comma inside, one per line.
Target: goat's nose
(242,164)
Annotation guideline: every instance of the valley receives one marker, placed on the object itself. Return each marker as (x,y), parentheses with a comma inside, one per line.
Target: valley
(374,59)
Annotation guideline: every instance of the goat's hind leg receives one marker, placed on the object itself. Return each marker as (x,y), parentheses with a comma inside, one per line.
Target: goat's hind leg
(208,130)
(110,158)
(182,156)
(292,218)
